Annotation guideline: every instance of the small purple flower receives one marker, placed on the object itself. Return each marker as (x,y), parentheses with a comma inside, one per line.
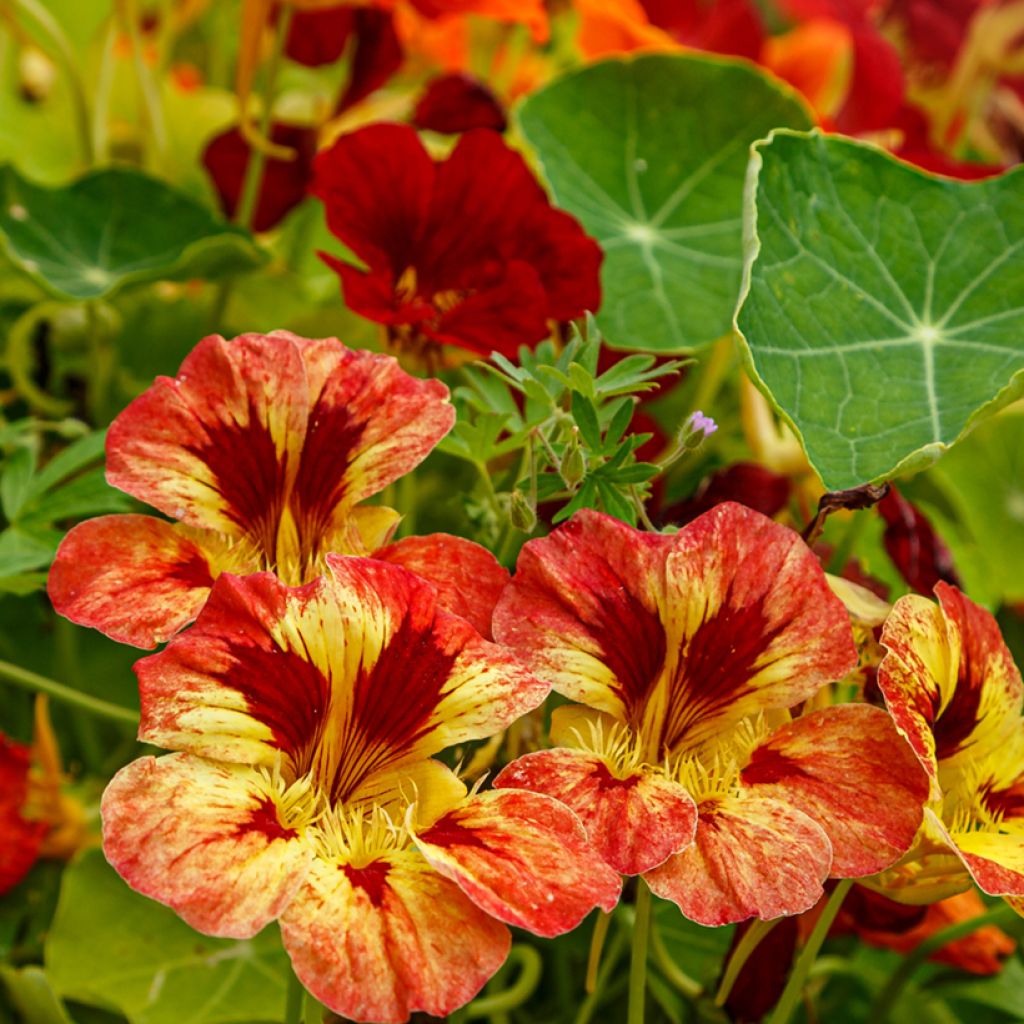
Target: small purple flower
(697,429)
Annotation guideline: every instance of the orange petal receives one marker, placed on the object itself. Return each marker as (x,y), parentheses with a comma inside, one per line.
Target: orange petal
(344,676)
(390,938)
(680,635)
(468,578)
(752,857)
(137,579)
(522,857)
(618,26)
(635,822)
(848,769)
(204,838)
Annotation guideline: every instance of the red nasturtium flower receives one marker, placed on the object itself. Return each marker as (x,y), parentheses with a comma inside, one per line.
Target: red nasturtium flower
(23,835)
(955,693)
(262,448)
(466,251)
(304,788)
(686,651)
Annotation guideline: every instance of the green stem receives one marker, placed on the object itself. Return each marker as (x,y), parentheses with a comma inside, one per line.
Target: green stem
(294,998)
(841,555)
(596,947)
(65,55)
(530,967)
(740,955)
(313,1012)
(257,157)
(794,989)
(690,987)
(102,365)
(148,90)
(615,950)
(101,98)
(917,956)
(33,681)
(638,961)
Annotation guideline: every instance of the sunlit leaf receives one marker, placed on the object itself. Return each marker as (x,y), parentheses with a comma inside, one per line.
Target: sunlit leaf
(650,154)
(883,308)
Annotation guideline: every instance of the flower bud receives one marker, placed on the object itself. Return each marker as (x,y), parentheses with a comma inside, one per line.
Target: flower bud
(574,465)
(522,512)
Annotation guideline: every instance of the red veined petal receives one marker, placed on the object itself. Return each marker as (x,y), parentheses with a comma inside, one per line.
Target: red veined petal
(849,769)
(137,579)
(389,938)
(994,859)
(752,857)
(468,578)
(635,822)
(216,446)
(679,635)
(344,676)
(22,838)
(523,858)
(457,103)
(204,838)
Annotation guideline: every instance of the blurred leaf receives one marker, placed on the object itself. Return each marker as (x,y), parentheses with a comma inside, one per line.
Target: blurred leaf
(112,228)
(650,154)
(16,480)
(31,994)
(114,948)
(883,307)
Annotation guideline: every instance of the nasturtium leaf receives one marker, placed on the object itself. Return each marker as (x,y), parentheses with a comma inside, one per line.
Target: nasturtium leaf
(649,153)
(112,228)
(883,308)
(111,947)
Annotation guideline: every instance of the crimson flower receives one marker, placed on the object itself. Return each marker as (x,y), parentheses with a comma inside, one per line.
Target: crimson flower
(684,653)
(304,788)
(263,449)
(23,835)
(466,251)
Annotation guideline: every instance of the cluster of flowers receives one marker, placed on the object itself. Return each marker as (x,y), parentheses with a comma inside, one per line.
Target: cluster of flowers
(315,670)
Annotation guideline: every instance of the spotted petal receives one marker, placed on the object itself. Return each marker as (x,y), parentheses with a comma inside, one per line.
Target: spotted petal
(137,579)
(389,938)
(204,838)
(343,677)
(753,857)
(635,820)
(848,769)
(522,857)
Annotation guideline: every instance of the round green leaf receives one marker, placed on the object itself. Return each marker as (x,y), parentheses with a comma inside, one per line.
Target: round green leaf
(883,308)
(112,228)
(650,154)
(113,948)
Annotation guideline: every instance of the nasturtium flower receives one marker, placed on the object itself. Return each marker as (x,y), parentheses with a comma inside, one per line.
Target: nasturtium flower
(304,788)
(685,652)
(954,691)
(262,449)
(23,834)
(467,251)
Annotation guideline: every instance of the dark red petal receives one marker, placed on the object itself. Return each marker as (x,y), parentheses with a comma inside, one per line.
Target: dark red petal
(378,55)
(877,87)
(456,103)
(284,184)
(722,26)
(912,543)
(21,839)
(319,36)
(746,482)
(762,978)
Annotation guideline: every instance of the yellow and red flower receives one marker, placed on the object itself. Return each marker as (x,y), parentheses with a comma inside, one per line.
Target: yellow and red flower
(955,693)
(466,252)
(687,651)
(262,449)
(305,788)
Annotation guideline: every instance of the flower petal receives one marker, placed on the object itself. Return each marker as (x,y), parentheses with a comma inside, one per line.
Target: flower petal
(523,858)
(994,859)
(22,838)
(752,857)
(137,579)
(216,446)
(468,578)
(634,822)
(205,839)
(679,635)
(344,676)
(848,769)
(390,938)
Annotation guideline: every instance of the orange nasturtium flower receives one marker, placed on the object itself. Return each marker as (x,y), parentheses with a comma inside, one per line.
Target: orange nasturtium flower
(684,764)
(262,448)
(954,692)
(304,788)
